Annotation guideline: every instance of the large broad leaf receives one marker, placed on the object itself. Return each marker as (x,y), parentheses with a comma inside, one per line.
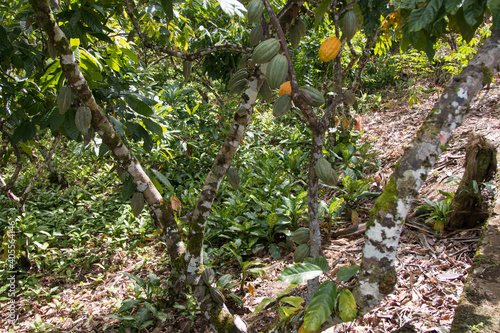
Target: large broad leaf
(274,250)
(294,301)
(321,306)
(137,279)
(347,272)
(423,17)
(69,125)
(271,220)
(142,315)
(298,273)
(494,7)
(347,305)
(130,303)
(138,105)
(473,10)
(168,8)
(164,180)
(153,126)
(452,6)
(232,7)
(23,132)
(263,303)
(319,261)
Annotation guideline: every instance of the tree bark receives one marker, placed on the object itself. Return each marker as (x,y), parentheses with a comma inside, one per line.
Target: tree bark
(378,274)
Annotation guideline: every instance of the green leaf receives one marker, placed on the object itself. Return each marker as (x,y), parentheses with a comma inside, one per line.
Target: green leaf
(131,55)
(137,279)
(274,250)
(118,126)
(168,8)
(298,273)
(151,308)
(271,220)
(334,205)
(321,306)
(138,105)
(494,7)
(347,272)
(56,120)
(129,304)
(25,131)
(347,305)
(320,11)
(452,6)
(232,7)
(153,126)
(423,17)
(472,10)
(263,303)
(224,280)
(142,315)
(294,301)
(70,126)
(153,280)
(319,261)
(164,180)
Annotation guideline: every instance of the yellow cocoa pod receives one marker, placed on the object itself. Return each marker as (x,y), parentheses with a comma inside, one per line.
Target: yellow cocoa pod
(285,88)
(329,49)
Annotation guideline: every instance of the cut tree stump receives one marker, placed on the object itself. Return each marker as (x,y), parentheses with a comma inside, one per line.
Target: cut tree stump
(480,165)
(479,307)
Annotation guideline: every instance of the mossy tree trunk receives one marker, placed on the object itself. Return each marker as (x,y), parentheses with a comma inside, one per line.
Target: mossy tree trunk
(378,274)
(480,164)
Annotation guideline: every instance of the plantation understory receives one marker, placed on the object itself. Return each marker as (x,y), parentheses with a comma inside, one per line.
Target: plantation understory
(76,288)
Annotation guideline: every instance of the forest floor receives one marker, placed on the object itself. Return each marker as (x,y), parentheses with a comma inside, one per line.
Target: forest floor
(432,268)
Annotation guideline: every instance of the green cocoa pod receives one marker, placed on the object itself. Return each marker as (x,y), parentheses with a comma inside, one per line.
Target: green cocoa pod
(187,68)
(325,172)
(295,36)
(217,295)
(83,117)
(64,99)
(349,25)
(266,92)
(302,27)
(256,35)
(137,203)
(276,71)
(254,10)
(301,235)
(265,51)
(208,276)
(316,95)
(239,75)
(282,105)
(349,97)
(238,86)
(301,252)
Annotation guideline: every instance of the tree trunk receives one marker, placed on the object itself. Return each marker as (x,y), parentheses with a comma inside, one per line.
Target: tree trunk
(480,165)
(378,274)
(312,206)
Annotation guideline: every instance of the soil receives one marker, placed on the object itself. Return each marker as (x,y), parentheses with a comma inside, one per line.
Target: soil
(432,268)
